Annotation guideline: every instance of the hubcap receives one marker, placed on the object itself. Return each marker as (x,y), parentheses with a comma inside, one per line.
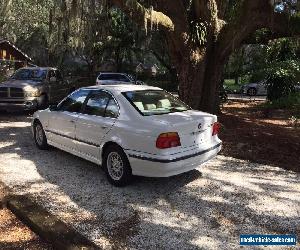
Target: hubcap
(251,91)
(115,166)
(39,136)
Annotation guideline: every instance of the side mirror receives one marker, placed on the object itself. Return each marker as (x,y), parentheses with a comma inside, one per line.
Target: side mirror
(53,108)
(53,79)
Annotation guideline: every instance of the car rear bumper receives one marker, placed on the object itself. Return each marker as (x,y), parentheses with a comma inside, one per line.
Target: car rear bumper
(168,166)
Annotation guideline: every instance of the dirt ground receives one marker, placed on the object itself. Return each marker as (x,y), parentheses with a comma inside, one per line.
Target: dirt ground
(13,233)
(251,133)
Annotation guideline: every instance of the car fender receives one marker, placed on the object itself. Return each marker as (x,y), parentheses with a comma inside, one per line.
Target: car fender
(42,116)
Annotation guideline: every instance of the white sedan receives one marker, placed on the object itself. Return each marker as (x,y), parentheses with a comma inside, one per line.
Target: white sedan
(129,130)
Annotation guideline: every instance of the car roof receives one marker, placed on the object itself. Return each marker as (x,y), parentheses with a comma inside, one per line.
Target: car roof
(118,88)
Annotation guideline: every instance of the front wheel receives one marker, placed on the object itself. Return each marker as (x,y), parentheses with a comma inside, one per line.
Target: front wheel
(40,136)
(117,167)
(252,91)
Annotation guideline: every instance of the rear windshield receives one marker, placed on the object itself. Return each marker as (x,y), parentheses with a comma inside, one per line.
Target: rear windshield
(30,74)
(155,102)
(113,77)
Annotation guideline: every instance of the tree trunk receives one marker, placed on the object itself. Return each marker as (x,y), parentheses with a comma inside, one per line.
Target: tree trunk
(198,80)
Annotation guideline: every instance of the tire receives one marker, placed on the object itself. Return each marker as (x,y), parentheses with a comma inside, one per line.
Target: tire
(251,91)
(121,174)
(44,102)
(39,135)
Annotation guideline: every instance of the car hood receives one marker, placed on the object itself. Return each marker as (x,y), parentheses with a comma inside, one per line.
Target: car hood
(20,83)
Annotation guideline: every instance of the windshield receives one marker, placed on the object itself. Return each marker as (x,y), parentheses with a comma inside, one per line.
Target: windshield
(155,102)
(30,74)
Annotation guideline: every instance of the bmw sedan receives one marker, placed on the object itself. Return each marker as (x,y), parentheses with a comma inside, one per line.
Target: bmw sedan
(129,130)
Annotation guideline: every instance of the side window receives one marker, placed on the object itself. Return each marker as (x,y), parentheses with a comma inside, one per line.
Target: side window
(73,102)
(97,103)
(112,109)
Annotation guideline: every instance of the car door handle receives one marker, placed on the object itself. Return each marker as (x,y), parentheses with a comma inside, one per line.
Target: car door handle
(104,127)
(72,121)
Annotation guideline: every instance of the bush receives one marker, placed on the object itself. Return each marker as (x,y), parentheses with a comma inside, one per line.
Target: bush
(282,78)
(279,87)
(288,102)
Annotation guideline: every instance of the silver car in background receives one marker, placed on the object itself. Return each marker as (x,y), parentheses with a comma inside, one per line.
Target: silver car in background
(110,78)
(253,89)
(259,88)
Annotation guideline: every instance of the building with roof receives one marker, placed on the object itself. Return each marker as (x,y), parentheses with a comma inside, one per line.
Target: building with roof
(11,56)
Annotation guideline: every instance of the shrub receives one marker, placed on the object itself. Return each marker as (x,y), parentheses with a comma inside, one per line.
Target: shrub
(282,78)
(287,102)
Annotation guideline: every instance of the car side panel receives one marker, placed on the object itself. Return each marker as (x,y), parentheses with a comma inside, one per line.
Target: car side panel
(90,131)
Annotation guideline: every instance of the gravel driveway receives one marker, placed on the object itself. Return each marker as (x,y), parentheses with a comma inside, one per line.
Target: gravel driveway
(206,208)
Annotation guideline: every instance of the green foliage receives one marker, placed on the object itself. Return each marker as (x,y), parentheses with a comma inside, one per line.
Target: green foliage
(292,101)
(278,62)
(282,68)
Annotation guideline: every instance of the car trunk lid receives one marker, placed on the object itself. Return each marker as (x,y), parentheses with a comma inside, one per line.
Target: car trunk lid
(193,127)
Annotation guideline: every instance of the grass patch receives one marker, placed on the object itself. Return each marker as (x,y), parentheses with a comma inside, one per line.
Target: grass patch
(231,87)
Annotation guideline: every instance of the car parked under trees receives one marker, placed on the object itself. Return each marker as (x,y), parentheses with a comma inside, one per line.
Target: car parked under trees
(129,130)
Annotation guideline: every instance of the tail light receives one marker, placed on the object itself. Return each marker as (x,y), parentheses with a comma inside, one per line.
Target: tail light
(168,140)
(216,128)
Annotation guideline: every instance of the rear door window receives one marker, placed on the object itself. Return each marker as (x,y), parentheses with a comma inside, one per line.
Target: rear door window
(101,103)
(74,102)
(112,109)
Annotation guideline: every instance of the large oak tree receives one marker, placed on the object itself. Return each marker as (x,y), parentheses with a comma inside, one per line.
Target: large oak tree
(201,35)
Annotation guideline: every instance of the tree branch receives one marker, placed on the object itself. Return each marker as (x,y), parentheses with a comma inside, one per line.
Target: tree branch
(142,15)
(253,15)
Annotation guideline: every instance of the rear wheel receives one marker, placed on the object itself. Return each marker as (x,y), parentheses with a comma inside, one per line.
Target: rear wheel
(40,136)
(252,91)
(117,167)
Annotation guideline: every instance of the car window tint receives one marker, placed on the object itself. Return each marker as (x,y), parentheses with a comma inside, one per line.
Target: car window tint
(114,77)
(123,78)
(101,77)
(30,74)
(96,104)
(107,77)
(155,102)
(73,102)
(112,109)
